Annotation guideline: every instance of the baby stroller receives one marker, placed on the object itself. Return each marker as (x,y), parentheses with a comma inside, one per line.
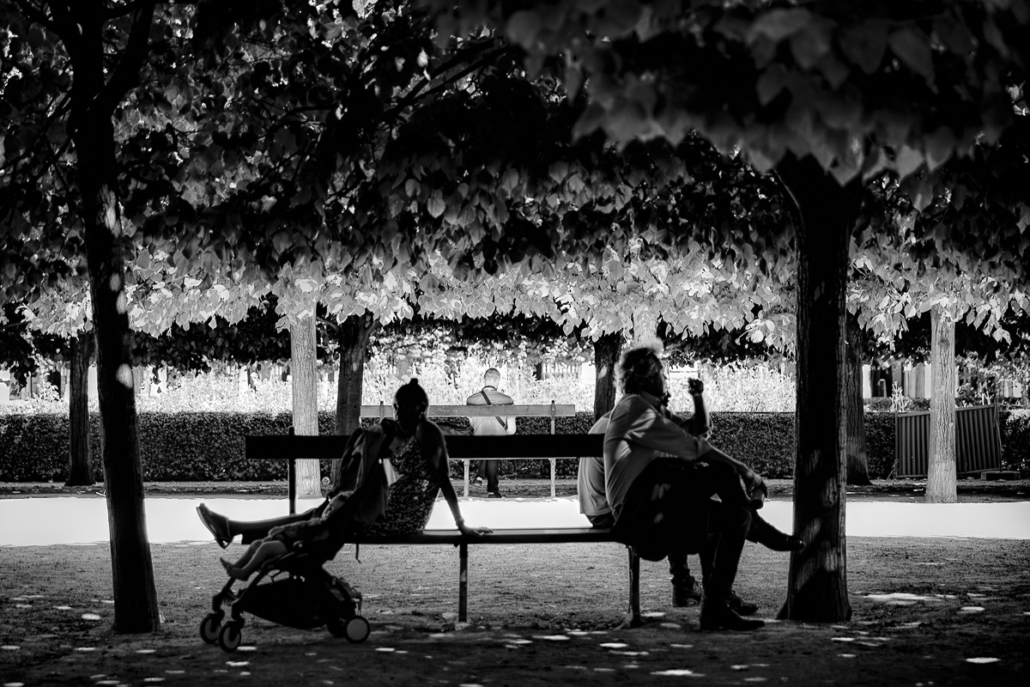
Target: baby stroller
(294,589)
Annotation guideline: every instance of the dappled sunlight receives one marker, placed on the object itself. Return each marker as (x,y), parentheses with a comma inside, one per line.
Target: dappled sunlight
(125,376)
(810,533)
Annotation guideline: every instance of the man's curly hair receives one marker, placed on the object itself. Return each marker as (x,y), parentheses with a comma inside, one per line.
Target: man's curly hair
(638,365)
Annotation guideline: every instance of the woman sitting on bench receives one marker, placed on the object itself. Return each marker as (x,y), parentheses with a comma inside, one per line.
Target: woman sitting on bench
(418,454)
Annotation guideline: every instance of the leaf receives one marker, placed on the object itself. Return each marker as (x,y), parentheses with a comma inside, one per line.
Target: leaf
(509,180)
(287,140)
(412,188)
(907,161)
(923,195)
(573,81)
(865,45)
(771,83)
(810,45)
(779,24)
(523,27)
(647,28)
(954,35)
(939,146)
(627,122)
(436,206)
(558,171)
(913,48)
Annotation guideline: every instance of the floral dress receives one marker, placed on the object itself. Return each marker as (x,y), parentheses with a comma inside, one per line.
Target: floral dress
(411,497)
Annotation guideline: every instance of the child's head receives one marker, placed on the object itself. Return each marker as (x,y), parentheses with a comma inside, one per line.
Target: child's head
(336,503)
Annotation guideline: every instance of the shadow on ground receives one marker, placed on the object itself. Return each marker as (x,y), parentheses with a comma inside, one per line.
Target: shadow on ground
(940,611)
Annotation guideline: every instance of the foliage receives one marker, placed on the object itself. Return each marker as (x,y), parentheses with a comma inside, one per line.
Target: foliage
(820,80)
(879,443)
(24,351)
(885,404)
(747,386)
(899,401)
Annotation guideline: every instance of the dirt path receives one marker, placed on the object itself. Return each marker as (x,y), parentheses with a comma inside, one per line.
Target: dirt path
(539,615)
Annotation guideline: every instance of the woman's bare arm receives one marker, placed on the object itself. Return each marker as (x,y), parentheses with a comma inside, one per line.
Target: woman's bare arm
(434,449)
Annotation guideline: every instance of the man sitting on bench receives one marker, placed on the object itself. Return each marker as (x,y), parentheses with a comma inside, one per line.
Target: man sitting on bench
(593,503)
(659,481)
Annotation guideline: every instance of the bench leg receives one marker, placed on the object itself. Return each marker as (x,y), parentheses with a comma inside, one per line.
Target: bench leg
(634,589)
(291,478)
(463,583)
(466,478)
(554,474)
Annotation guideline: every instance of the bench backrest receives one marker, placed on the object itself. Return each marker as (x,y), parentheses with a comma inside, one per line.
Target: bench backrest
(459,446)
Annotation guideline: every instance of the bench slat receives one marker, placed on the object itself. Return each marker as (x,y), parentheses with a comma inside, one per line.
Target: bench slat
(459,446)
(568,535)
(525,446)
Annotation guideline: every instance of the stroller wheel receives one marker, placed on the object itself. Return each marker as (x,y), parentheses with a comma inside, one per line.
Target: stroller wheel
(209,627)
(357,630)
(230,635)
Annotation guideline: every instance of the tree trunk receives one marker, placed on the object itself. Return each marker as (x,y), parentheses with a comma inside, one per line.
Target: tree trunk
(607,349)
(80,469)
(645,328)
(353,336)
(854,447)
(135,598)
(817,580)
(941,484)
(304,370)
(93,100)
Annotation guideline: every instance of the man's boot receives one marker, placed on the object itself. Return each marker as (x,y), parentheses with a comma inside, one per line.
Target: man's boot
(717,615)
(685,592)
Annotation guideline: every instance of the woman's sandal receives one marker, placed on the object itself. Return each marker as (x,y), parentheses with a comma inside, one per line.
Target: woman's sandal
(220,530)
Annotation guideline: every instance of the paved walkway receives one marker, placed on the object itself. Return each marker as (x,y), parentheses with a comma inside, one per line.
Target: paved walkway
(83,520)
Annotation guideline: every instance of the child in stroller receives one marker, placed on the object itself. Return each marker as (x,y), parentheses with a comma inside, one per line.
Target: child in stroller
(291,587)
(284,538)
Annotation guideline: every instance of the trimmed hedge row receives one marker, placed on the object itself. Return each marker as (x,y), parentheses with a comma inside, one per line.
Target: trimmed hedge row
(209,446)
(1015,439)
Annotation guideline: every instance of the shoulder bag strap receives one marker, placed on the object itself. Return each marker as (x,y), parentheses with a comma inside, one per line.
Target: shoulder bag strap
(502,420)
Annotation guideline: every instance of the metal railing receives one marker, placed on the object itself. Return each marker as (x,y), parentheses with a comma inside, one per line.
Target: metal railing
(977,441)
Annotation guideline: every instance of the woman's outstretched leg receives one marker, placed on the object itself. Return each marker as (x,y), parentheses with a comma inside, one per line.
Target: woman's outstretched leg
(225,530)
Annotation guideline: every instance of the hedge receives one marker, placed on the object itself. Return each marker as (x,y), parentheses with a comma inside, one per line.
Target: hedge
(209,446)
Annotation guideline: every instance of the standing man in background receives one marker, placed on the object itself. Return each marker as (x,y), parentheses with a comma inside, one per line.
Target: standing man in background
(490,426)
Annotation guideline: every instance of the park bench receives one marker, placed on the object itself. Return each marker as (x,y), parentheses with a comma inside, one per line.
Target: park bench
(462,447)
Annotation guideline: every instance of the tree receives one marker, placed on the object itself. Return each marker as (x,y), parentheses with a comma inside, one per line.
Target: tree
(954,274)
(23,343)
(607,350)
(823,95)
(64,313)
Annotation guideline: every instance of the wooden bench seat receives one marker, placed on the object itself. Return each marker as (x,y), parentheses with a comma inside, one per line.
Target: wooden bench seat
(461,447)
